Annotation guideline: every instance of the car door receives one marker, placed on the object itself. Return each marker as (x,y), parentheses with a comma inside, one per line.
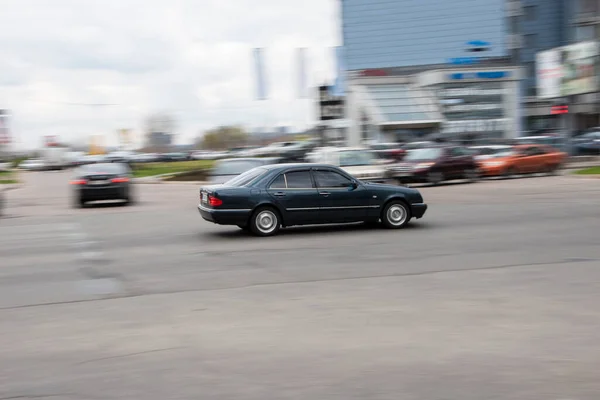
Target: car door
(451,163)
(528,160)
(295,193)
(340,199)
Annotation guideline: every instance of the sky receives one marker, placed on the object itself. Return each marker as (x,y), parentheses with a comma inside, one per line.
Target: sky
(78,68)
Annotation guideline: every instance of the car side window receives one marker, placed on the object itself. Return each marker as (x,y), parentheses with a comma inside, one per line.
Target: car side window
(331,179)
(299,180)
(278,183)
(455,152)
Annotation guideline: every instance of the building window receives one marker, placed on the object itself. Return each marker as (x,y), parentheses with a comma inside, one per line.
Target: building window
(583,33)
(530,12)
(530,40)
(513,23)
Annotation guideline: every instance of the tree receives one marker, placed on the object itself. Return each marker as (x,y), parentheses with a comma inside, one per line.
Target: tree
(223,137)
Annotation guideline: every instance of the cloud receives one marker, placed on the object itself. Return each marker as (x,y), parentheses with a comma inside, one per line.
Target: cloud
(190,58)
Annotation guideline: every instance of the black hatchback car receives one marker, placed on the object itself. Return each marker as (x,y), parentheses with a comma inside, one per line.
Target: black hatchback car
(106,181)
(266,198)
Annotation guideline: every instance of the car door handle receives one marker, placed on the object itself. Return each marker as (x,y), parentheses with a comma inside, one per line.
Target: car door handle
(324,194)
(279,194)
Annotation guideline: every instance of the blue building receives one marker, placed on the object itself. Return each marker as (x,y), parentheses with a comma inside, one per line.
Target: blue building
(393,38)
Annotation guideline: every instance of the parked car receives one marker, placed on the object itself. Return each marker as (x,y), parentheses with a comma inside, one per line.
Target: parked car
(357,161)
(34,164)
(587,144)
(388,151)
(266,198)
(555,141)
(174,157)
(435,165)
(296,151)
(524,159)
(485,152)
(417,145)
(95,182)
(229,168)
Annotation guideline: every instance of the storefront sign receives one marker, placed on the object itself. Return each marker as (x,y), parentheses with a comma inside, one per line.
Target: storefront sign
(463,61)
(480,75)
(471,91)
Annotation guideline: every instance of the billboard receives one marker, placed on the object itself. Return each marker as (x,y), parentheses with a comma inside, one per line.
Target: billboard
(330,107)
(567,70)
(5,138)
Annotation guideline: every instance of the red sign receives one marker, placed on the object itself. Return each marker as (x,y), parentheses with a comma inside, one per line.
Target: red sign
(559,110)
(373,72)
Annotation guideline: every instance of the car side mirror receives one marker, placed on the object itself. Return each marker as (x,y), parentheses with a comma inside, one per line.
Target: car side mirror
(354,185)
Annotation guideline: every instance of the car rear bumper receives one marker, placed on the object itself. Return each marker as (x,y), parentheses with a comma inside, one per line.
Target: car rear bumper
(104,193)
(418,210)
(224,217)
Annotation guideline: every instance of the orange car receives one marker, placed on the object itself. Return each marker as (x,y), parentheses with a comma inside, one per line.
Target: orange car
(523,159)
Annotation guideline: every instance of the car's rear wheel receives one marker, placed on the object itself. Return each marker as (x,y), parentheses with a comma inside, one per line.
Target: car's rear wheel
(551,169)
(79,202)
(265,222)
(396,215)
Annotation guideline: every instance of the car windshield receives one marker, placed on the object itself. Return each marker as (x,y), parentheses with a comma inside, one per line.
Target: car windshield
(355,158)
(246,178)
(502,153)
(423,154)
(235,167)
(591,135)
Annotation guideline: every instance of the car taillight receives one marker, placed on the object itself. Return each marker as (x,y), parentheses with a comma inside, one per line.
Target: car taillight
(79,182)
(120,180)
(214,202)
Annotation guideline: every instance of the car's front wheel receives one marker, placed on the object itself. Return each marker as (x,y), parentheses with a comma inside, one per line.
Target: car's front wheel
(265,222)
(472,175)
(396,215)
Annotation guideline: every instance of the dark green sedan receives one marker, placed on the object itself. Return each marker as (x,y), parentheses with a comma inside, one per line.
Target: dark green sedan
(269,197)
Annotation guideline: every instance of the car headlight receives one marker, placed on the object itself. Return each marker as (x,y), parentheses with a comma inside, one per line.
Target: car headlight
(494,163)
(422,165)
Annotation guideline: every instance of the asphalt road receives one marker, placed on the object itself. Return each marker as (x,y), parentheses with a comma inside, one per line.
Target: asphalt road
(493,295)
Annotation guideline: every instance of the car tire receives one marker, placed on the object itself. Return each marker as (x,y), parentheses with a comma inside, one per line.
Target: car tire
(510,173)
(551,170)
(435,178)
(396,215)
(79,202)
(472,175)
(265,221)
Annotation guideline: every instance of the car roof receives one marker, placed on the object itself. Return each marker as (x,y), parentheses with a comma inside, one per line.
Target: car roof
(278,167)
(492,146)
